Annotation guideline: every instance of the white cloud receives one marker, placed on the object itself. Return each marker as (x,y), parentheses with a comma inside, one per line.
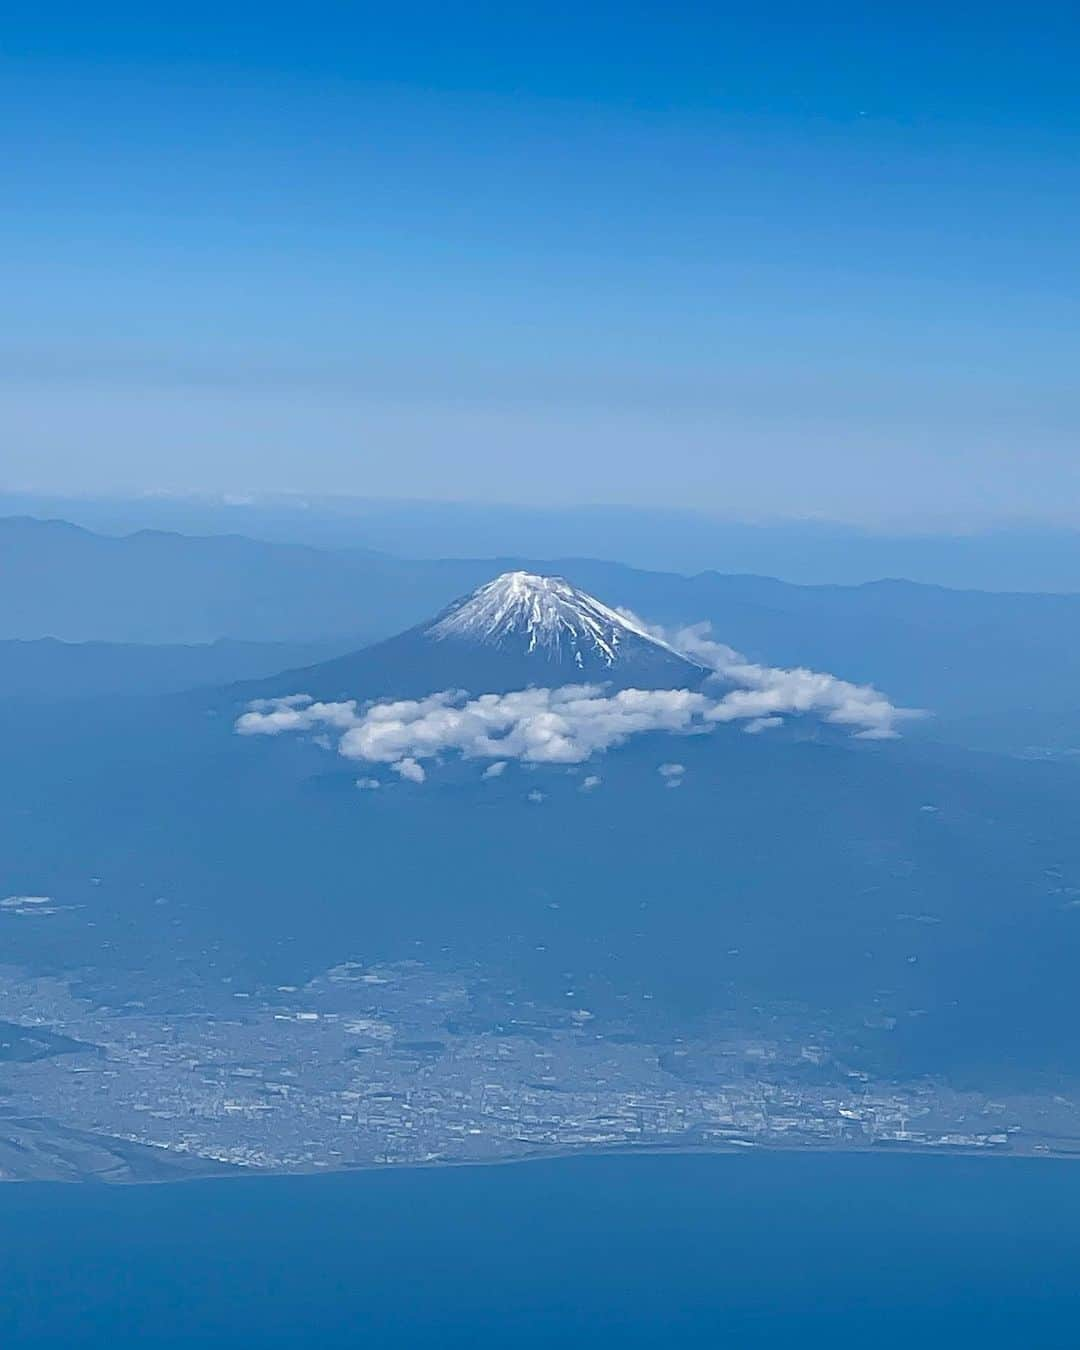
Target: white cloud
(762,694)
(411,769)
(592,781)
(297,712)
(762,724)
(538,726)
(29,904)
(536,796)
(572,724)
(368,784)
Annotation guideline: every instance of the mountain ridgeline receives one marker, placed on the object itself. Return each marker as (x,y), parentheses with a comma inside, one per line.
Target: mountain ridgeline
(998,671)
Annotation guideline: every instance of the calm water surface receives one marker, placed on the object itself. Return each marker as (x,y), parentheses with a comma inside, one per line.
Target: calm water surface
(758,1249)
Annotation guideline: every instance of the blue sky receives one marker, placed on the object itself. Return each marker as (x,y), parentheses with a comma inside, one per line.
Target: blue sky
(784,260)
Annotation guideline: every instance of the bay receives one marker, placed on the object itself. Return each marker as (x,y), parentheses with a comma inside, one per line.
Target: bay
(761,1249)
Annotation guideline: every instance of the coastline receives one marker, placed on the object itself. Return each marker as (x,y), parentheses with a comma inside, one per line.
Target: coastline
(232,1172)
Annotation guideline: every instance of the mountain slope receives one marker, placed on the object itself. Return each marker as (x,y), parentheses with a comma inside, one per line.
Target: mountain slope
(517,630)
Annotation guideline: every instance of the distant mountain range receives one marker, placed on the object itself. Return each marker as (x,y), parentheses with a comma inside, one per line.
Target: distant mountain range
(1001,670)
(1020,557)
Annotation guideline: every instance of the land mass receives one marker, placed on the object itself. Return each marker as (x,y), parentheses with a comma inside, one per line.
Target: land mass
(408,1065)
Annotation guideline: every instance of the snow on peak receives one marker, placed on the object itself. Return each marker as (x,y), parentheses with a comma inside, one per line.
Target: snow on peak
(543,614)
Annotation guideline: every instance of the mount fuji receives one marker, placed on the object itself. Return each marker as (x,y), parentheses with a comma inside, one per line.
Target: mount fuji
(517,630)
(854,878)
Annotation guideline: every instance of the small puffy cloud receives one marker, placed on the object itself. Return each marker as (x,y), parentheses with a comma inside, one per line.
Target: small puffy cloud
(368,784)
(762,724)
(536,796)
(495,770)
(592,781)
(671,770)
(297,712)
(410,769)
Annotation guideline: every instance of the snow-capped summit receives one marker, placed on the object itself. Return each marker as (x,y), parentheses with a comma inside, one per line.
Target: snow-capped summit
(544,621)
(548,616)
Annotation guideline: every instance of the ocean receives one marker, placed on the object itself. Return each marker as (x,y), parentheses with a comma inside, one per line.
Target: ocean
(759,1249)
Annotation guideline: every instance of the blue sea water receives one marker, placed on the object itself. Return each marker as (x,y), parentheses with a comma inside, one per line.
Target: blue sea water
(764,1249)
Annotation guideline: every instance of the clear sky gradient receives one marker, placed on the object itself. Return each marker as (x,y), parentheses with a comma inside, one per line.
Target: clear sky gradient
(764,259)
